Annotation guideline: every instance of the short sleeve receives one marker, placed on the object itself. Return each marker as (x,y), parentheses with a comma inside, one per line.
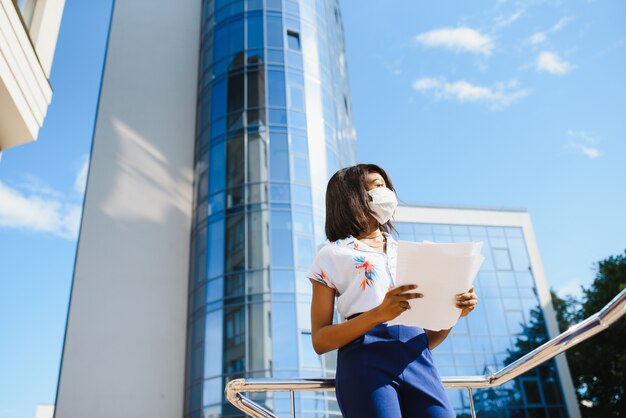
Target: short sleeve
(319,271)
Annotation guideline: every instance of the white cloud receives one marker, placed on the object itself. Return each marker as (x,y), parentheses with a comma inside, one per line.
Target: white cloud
(504,21)
(584,143)
(426,83)
(561,24)
(38,213)
(497,96)
(458,39)
(81,177)
(538,38)
(549,62)
(35,206)
(541,37)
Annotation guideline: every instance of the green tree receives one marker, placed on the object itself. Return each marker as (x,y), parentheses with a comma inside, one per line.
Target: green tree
(598,365)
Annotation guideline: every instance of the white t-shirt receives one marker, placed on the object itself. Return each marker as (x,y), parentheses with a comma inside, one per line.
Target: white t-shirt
(360,275)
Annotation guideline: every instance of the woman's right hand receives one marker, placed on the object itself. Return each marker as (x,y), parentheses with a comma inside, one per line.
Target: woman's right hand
(396,302)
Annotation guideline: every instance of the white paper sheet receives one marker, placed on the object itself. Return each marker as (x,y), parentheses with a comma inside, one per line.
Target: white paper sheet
(441,271)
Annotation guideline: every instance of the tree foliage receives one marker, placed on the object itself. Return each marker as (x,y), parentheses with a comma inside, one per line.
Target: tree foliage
(598,365)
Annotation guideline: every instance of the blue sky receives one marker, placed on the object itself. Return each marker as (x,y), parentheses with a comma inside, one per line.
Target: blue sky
(498,104)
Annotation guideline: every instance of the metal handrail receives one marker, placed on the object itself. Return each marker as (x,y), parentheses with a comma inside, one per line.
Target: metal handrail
(582,331)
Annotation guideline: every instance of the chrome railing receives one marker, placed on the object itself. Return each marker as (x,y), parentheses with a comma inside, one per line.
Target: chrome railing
(596,323)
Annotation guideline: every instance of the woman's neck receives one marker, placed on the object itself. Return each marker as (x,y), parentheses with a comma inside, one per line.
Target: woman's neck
(372,232)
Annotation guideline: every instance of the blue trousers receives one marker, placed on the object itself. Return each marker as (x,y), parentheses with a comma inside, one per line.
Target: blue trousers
(389,373)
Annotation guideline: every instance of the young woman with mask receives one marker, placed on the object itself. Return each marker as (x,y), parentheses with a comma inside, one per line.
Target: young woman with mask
(382,371)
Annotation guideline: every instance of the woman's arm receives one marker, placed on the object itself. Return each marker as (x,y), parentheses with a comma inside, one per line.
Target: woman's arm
(466,302)
(327,337)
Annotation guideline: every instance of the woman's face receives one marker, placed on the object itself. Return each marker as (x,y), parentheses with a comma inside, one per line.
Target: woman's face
(374,180)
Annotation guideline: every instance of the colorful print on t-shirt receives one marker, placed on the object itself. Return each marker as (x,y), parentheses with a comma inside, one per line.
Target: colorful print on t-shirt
(369,271)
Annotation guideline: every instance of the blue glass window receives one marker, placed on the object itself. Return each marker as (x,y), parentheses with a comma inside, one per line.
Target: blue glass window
(302,195)
(279,157)
(196,362)
(214,347)
(282,281)
(305,252)
(282,251)
(213,391)
(279,192)
(501,258)
(215,249)
(218,100)
(296,96)
(215,290)
(278,117)
(235,243)
(284,334)
(301,169)
(309,357)
(293,40)
(255,4)
(258,249)
(276,85)
(255,31)
(275,56)
(236,36)
(256,89)
(297,119)
(274,31)
(302,223)
(299,144)
(220,44)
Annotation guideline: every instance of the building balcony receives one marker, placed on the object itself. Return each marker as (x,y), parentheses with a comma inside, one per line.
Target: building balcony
(28,33)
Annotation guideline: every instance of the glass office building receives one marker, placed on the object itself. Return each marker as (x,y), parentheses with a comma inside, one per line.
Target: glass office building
(509,321)
(273,123)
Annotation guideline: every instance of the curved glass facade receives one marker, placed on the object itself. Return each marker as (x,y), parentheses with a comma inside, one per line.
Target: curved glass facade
(506,324)
(274,121)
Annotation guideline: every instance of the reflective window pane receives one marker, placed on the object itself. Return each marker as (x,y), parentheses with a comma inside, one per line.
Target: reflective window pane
(258,240)
(296,97)
(309,357)
(305,252)
(256,89)
(277,94)
(501,259)
(235,243)
(282,251)
(257,159)
(274,31)
(282,281)
(255,31)
(215,249)
(279,157)
(293,41)
(218,100)
(284,334)
(213,348)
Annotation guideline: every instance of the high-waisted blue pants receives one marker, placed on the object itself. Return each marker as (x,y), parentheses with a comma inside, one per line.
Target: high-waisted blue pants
(389,373)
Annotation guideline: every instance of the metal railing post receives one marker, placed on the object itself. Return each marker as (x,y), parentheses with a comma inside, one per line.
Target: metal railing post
(471,400)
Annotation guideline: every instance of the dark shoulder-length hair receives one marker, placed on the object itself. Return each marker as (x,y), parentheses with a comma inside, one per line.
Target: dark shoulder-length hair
(347,207)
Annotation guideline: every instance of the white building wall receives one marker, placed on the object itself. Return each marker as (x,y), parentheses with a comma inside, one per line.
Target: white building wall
(506,218)
(124,350)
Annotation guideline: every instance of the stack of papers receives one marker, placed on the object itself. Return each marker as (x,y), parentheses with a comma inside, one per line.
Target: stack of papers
(441,271)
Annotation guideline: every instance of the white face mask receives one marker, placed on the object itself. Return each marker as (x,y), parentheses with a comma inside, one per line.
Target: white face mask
(383,203)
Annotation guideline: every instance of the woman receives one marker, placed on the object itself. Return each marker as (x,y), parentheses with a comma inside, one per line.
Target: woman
(382,371)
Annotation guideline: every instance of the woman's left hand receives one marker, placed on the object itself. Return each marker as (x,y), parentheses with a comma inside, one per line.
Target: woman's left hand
(466,302)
